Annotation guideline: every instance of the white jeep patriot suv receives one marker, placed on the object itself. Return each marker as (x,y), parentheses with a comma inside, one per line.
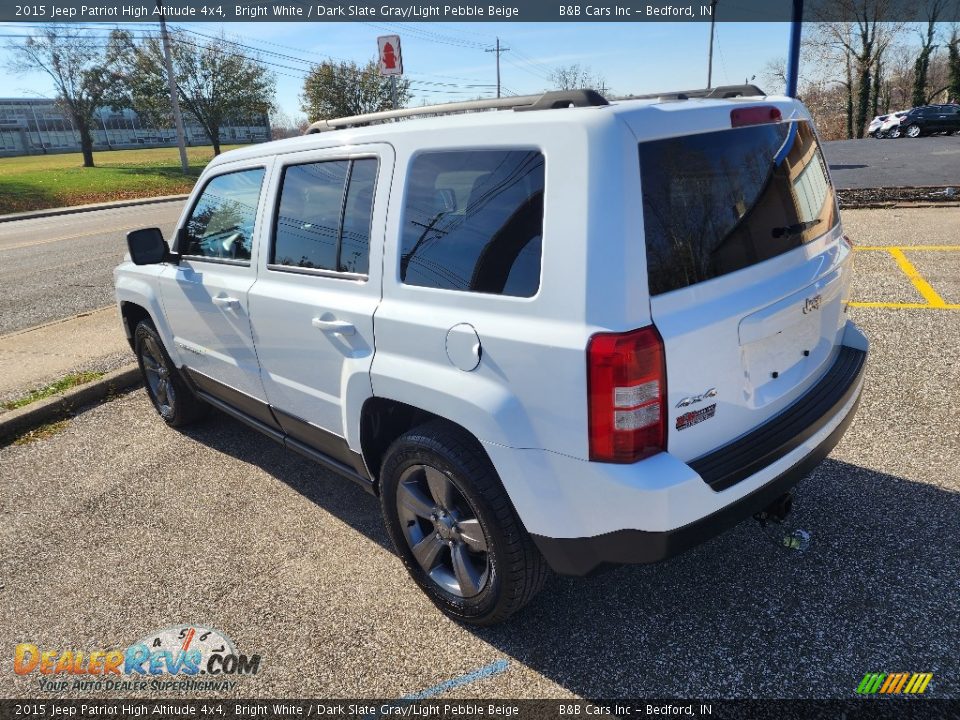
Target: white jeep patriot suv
(549,331)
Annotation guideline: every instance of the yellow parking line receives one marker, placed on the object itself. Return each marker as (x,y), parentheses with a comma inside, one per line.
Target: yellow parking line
(922,286)
(905,306)
(927,248)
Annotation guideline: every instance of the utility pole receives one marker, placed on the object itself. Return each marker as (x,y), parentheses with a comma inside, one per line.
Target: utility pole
(497,50)
(172,85)
(713,15)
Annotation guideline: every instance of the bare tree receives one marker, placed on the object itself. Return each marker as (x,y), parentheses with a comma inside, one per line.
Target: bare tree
(82,73)
(861,38)
(284,126)
(774,75)
(578,77)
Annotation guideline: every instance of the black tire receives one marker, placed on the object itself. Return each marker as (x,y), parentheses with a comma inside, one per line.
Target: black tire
(172,398)
(513,570)
(912,131)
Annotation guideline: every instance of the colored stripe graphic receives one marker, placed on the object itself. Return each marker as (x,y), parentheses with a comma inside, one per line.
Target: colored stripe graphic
(894,683)
(494,668)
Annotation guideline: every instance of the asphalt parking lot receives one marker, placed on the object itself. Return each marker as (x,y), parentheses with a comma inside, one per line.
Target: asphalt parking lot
(116,526)
(932,161)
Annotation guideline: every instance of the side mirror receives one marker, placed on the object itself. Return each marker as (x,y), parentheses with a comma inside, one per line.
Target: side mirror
(147,246)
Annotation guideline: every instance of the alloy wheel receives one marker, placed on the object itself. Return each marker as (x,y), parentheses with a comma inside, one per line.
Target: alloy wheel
(442,531)
(913,131)
(157,373)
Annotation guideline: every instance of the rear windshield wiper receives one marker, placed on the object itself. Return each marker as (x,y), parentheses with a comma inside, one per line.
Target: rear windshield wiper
(794,229)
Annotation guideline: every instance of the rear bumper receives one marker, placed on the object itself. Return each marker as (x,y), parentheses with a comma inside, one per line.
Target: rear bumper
(793,443)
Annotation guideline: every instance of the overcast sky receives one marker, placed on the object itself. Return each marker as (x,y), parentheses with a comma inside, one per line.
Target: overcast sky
(446,61)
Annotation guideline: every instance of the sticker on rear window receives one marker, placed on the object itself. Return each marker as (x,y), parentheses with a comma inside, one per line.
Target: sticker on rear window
(696,416)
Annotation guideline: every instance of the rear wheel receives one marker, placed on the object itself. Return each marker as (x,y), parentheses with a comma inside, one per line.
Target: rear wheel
(168,392)
(913,131)
(894,132)
(455,528)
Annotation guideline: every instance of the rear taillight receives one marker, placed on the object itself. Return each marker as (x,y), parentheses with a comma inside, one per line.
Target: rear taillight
(626,394)
(741,116)
(848,241)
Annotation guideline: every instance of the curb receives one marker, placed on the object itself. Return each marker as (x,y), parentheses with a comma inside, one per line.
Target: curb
(64,405)
(54,212)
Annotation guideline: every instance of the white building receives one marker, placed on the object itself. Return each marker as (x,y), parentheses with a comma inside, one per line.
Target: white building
(31,126)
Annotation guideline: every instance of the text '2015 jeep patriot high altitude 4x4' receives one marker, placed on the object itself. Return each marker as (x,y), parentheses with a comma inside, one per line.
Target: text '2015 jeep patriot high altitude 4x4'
(548,331)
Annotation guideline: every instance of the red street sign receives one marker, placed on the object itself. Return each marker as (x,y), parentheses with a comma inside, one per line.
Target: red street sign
(391,61)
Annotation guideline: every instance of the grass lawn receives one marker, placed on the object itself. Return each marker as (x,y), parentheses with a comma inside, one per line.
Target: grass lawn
(35,182)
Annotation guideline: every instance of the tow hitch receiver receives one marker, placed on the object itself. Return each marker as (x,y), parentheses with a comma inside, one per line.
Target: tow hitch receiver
(777,511)
(771,520)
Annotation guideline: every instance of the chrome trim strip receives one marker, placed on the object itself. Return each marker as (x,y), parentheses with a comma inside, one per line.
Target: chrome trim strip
(319,272)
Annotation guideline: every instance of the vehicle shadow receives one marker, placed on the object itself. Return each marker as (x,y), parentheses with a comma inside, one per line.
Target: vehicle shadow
(342,498)
(740,616)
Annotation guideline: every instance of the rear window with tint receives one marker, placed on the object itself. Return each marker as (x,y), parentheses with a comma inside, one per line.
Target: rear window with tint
(718,202)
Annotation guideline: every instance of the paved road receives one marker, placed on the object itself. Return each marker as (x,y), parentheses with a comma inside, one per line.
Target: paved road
(55,267)
(869,163)
(118,526)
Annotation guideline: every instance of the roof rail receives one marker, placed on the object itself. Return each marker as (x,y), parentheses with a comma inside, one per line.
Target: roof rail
(546,101)
(719,92)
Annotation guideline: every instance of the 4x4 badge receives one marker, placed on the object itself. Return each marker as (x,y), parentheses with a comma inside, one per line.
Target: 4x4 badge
(688,401)
(811,304)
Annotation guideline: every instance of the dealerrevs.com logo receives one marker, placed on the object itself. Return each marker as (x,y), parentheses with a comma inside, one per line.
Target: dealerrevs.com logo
(183,657)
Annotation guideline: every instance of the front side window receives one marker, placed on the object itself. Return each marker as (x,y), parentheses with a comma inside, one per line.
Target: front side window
(222,222)
(473,221)
(718,202)
(323,221)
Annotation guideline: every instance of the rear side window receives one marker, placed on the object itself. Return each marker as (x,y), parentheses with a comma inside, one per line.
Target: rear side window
(323,220)
(221,223)
(718,202)
(473,221)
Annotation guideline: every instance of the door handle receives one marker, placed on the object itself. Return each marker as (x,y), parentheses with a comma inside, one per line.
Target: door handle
(225,301)
(337,327)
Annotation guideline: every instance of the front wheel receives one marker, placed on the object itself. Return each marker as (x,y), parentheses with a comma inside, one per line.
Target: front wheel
(168,392)
(455,528)
(913,131)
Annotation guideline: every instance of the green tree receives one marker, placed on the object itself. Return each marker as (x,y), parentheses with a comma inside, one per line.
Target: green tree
(215,83)
(333,90)
(83,74)
(921,68)
(953,61)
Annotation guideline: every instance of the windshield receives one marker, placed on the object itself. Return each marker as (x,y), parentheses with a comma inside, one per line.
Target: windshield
(718,202)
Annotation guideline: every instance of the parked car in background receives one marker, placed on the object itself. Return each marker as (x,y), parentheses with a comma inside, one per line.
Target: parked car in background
(873,129)
(931,119)
(890,128)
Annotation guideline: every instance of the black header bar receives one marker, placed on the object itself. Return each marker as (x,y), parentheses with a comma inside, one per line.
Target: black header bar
(112,11)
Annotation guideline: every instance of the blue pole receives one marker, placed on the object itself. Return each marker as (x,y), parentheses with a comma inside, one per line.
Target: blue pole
(793,61)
